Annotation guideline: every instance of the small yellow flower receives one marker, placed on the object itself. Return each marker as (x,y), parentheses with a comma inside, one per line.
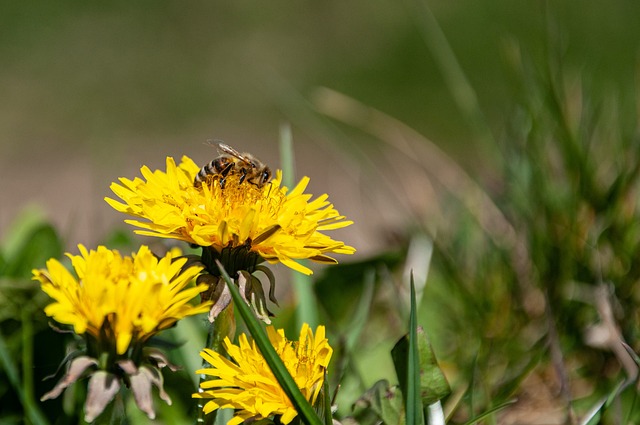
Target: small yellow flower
(277,224)
(246,383)
(125,298)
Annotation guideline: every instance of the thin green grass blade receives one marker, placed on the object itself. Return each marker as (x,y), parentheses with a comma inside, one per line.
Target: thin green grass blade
(27,355)
(29,399)
(472,383)
(413,406)
(459,85)
(632,408)
(361,314)
(593,415)
(307,310)
(287,157)
(190,337)
(307,306)
(32,412)
(490,412)
(304,409)
(326,404)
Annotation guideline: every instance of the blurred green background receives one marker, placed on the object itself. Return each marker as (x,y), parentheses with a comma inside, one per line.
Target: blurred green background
(90,92)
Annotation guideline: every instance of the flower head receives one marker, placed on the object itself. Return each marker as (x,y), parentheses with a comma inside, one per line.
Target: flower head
(271,222)
(246,383)
(117,303)
(126,298)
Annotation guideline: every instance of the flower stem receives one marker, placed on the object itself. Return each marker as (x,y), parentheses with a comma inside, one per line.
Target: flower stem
(224,326)
(202,418)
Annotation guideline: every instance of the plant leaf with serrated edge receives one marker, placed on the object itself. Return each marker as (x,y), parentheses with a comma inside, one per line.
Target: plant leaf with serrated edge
(305,411)
(419,375)
(433,383)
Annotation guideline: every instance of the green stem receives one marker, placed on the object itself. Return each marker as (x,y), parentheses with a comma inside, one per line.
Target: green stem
(224,326)
(202,418)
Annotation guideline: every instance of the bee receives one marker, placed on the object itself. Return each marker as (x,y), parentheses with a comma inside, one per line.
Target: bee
(231,162)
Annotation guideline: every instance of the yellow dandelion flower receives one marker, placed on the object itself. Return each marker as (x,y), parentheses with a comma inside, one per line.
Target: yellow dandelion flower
(271,221)
(125,298)
(246,383)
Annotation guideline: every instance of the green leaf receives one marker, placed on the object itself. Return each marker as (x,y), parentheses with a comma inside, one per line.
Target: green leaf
(339,288)
(433,383)
(304,409)
(307,305)
(382,400)
(31,244)
(361,314)
(413,405)
(32,410)
(326,401)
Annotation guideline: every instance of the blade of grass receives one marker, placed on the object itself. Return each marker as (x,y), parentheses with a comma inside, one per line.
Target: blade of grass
(304,409)
(361,313)
(307,310)
(287,160)
(413,406)
(592,415)
(489,412)
(434,161)
(357,323)
(189,334)
(328,418)
(27,362)
(461,89)
(31,410)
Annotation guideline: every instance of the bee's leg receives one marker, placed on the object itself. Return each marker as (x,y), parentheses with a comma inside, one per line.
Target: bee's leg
(243,176)
(227,169)
(224,173)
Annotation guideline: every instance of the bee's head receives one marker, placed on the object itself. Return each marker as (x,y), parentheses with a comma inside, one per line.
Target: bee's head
(265,176)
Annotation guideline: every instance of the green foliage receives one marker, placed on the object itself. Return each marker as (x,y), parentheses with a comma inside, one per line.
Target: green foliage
(25,338)
(305,410)
(528,272)
(536,248)
(433,385)
(382,402)
(339,288)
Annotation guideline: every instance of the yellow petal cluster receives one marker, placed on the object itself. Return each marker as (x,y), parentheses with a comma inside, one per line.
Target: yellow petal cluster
(138,295)
(278,224)
(246,383)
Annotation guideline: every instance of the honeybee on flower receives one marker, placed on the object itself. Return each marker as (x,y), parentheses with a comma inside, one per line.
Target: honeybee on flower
(268,222)
(231,161)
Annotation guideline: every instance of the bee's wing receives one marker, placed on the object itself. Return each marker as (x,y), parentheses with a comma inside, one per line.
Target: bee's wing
(214,143)
(231,151)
